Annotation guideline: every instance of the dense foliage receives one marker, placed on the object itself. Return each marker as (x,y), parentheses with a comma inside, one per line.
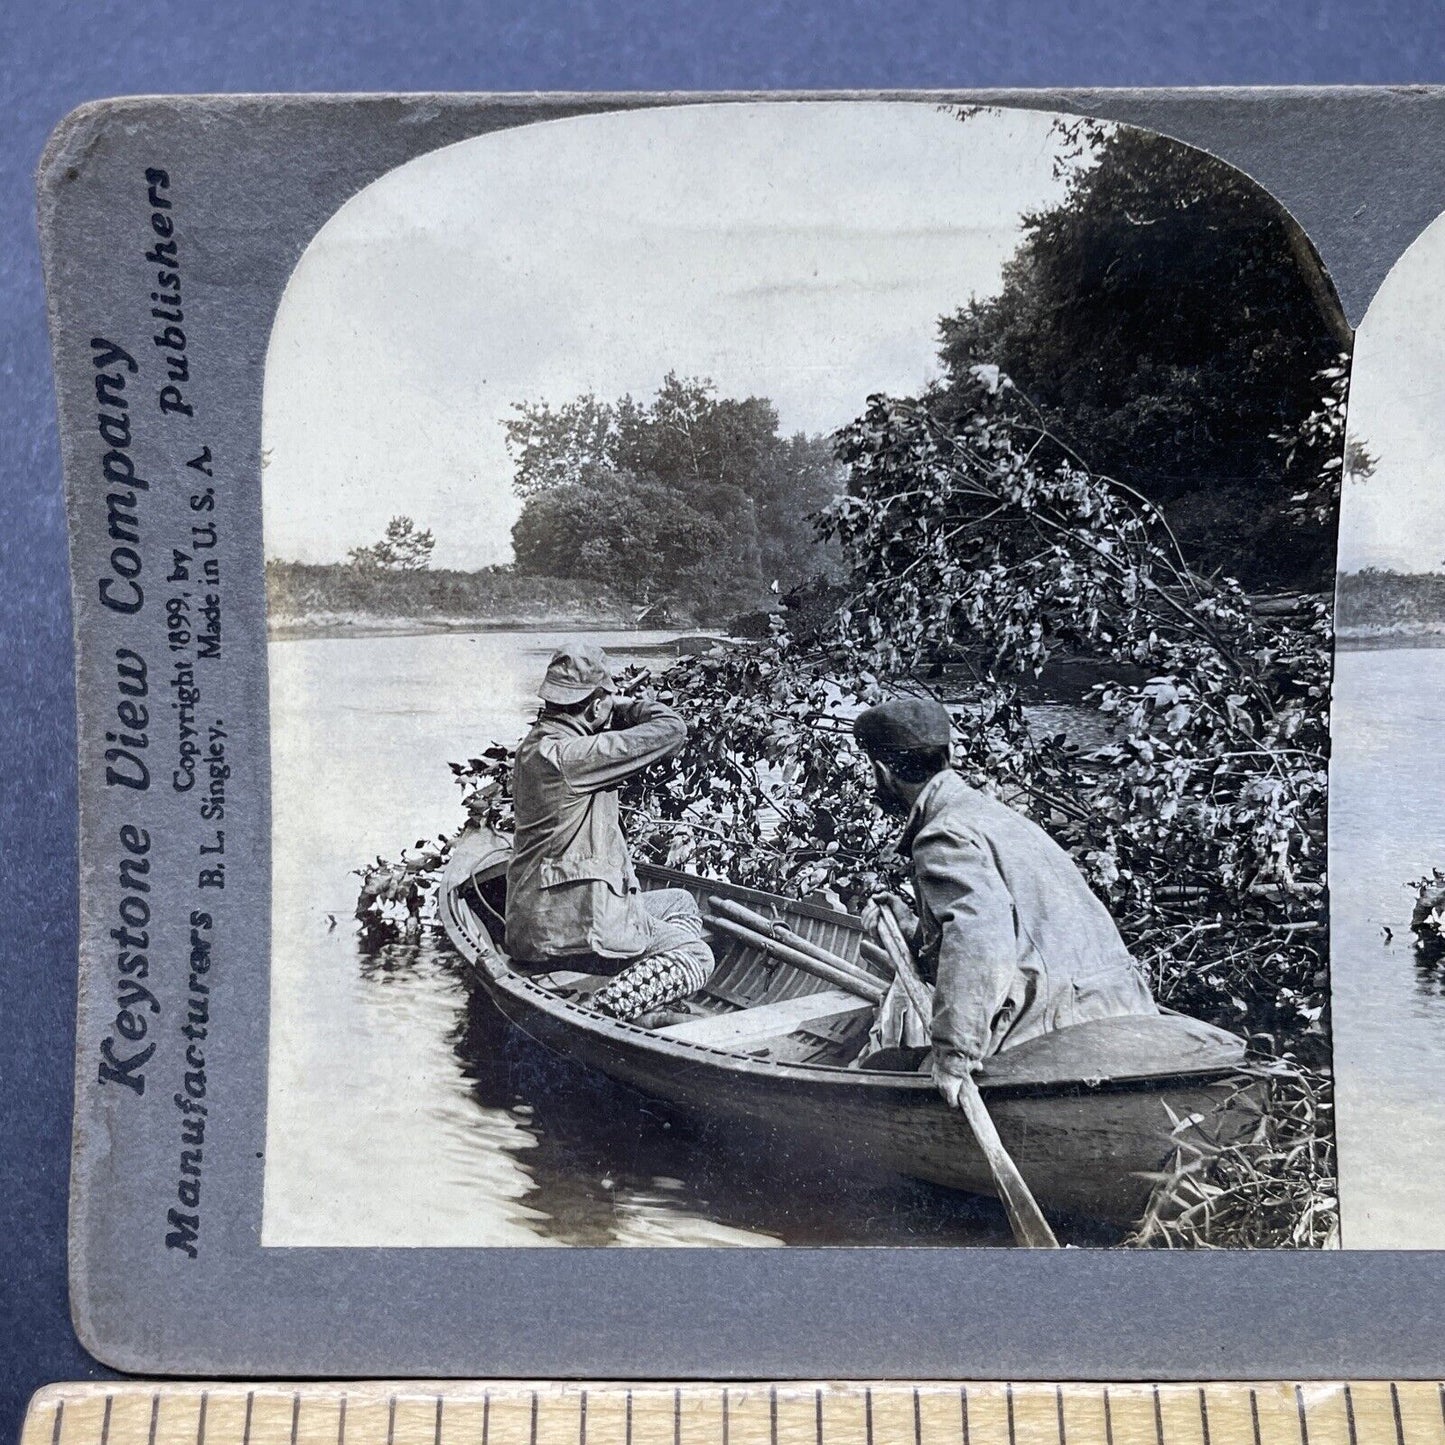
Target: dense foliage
(691,497)
(1427,919)
(1173,318)
(624,531)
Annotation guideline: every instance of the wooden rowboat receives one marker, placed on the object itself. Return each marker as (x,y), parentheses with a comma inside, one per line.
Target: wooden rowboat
(1089,1112)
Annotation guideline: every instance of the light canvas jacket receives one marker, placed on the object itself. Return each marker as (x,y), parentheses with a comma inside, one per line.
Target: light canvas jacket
(1017,942)
(570,885)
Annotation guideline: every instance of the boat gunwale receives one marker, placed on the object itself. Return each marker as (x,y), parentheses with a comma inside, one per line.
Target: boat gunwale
(806,908)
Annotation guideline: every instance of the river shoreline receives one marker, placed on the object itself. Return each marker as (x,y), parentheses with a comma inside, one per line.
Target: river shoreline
(1349,640)
(324,625)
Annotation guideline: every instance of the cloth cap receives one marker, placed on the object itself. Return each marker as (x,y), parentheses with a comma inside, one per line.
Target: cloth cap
(576,671)
(907,724)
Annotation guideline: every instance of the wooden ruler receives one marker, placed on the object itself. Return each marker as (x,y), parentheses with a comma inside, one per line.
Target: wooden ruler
(882,1413)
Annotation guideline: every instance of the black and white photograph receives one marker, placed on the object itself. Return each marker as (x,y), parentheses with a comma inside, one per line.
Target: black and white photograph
(1387,822)
(801,639)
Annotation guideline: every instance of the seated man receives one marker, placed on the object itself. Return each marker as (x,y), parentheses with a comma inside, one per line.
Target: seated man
(572,896)
(1008,930)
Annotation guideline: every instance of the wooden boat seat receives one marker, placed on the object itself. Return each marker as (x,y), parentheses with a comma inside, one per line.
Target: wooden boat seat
(747,1027)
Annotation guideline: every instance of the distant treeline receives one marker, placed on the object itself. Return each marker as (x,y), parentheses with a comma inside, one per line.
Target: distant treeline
(1386,602)
(300,594)
(690,500)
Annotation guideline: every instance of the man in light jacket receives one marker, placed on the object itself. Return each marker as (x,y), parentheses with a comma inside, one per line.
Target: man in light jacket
(572,896)
(1008,931)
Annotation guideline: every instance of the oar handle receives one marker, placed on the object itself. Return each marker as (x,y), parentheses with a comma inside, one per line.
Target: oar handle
(900,958)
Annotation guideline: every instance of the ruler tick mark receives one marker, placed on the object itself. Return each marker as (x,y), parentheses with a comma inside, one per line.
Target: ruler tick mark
(201,1418)
(1059,1409)
(963,1412)
(868,1415)
(341,1423)
(59,1420)
(772,1415)
(629,1417)
(532,1435)
(155,1416)
(1204,1416)
(295,1415)
(105,1421)
(486,1414)
(1395,1406)
(437,1428)
(582,1419)
(1304,1425)
(391,1420)
(1158,1417)
(725,1416)
(1254,1415)
(1108,1419)
(1008,1391)
(818,1416)
(917,1419)
(1350,1415)
(677,1417)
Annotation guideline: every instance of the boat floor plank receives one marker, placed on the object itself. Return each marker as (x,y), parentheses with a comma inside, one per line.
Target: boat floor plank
(766,1021)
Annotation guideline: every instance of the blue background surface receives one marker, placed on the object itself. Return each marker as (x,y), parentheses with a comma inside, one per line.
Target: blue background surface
(53,57)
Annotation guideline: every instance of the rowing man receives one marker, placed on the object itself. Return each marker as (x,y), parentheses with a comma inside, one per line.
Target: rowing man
(1008,931)
(572,896)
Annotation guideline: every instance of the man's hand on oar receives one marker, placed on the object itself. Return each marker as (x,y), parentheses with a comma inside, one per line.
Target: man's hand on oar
(950,1083)
(898,907)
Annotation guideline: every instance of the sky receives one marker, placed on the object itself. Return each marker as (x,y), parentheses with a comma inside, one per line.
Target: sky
(802,251)
(1395,519)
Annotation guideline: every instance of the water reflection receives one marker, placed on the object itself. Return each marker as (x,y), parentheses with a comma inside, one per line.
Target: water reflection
(1430,974)
(608,1164)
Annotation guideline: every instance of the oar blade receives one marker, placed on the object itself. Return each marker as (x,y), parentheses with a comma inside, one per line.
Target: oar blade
(1030,1228)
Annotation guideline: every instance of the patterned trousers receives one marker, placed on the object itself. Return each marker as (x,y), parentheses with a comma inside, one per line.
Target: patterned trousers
(676,963)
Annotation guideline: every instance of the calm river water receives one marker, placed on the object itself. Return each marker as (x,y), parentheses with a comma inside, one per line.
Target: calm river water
(1387,827)
(399,1116)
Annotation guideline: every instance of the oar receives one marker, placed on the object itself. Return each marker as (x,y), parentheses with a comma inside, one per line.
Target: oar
(916,993)
(868,949)
(851,982)
(1024,1215)
(727,908)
